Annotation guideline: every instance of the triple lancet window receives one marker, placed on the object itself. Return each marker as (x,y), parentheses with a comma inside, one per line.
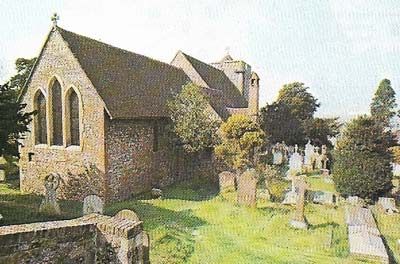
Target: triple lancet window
(51,119)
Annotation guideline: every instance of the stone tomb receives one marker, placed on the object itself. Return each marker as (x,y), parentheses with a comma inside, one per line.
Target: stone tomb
(92,204)
(247,188)
(226,181)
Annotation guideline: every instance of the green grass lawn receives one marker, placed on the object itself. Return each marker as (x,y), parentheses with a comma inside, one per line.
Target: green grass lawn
(193,224)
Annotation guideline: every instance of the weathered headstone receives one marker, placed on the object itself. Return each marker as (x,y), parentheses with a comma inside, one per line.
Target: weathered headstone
(247,188)
(295,163)
(49,203)
(324,157)
(226,181)
(388,204)
(308,153)
(322,197)
(299,220)
(156,193)
(2,175)
(92,204)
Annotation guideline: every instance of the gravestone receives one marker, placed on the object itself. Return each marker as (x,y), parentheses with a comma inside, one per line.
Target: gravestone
(92,204)
(156,193)
(388,204)
(49,203)
(277,157)
(226,181)
(355,200)
(2,175)
(146,248)
(247,188)
(308,153)
(324,157)
(295,163)
(321,197)
(299,220)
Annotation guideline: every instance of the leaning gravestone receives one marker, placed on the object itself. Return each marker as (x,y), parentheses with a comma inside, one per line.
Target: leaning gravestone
(226,181)
(92,204)
(49,203)
(247,188)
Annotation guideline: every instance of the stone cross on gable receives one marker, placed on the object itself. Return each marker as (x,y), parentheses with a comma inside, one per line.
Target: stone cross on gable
(55,18)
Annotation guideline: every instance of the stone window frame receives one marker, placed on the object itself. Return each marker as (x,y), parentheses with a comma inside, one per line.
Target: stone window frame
(65,121)
(36,93)
(66,118)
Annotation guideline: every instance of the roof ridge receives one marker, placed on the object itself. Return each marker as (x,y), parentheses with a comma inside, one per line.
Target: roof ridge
(114,47)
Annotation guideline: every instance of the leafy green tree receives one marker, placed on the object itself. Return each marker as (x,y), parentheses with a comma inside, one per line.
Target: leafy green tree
(280,124)
(384,102)
(13,121)
(242,138)
(24,68)
(300,101)
(192,123)
(318,129)
(362,159)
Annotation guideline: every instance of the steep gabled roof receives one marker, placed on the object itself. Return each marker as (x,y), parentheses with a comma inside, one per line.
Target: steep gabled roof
(131,85)
(222,93)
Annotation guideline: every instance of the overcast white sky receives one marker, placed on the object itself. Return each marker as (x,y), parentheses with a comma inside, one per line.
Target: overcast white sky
(341,49)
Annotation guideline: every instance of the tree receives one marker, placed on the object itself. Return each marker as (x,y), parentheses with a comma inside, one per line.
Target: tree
(13,121)
(362,159)
(242,138)
(24,68)
(318,129)
(195,128)
(384,102)
(301,103)
(280,124)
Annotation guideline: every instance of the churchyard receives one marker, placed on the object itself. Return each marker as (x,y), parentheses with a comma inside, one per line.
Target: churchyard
(193,223)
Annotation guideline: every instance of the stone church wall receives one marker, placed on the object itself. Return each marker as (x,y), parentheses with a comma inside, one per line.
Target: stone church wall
(71,162)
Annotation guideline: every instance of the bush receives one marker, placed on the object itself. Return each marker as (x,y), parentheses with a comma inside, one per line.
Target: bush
(396,154)
(362,160)
(277,189)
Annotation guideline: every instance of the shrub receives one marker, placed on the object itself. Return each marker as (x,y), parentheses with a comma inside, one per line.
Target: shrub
(396,154)
(277,189)
(362,160)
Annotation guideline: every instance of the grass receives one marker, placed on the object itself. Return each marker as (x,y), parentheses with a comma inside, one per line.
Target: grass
(192,223)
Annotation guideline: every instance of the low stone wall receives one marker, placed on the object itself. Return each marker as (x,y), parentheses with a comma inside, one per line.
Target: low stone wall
(90,239)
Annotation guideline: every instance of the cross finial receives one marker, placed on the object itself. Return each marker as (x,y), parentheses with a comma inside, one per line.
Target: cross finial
(55,18)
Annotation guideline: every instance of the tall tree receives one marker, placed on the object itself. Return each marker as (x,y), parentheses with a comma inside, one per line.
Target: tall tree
(24,68)
(300,101)
(195,128)
(280,124)
(362,159)
(384,102)
(13,121)
(318,129)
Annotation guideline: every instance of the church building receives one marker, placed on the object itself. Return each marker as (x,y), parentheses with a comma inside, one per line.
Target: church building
(101,115)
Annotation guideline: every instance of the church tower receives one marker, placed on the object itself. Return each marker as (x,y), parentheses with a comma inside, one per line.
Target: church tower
(246,81)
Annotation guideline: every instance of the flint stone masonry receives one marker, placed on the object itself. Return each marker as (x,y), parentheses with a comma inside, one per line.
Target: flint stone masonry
(90,239)
(226,181)
(364,236)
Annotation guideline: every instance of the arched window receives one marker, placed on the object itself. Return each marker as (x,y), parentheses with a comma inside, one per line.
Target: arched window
(56,107)
(73,124)
(40,119)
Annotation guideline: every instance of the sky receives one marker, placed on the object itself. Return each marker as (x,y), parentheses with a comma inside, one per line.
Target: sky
(340,49)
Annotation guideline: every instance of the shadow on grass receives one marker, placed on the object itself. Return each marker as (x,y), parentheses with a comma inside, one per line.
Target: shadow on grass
(172,233)
(18,208)
(323,225)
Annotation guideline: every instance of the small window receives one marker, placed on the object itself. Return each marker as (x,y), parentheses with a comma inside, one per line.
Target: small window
(40,119)
(30,156)
(74,130)
(56,107)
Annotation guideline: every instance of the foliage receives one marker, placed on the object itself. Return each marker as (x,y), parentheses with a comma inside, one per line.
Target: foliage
(277,189)
(280,124)
(242,139)
(24,68)
(384,102)
(318,129)
(300,101)
(13,121)
(362,159)
(192,124)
